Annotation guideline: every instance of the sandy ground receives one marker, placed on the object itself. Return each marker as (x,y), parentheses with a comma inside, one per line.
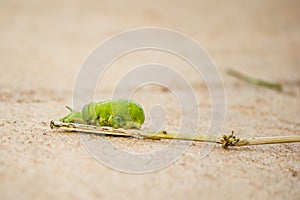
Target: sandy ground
(43,44)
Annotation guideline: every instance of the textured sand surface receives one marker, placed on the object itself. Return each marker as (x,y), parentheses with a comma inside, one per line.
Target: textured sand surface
(42,46)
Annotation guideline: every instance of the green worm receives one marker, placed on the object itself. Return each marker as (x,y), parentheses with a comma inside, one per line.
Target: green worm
(117,113)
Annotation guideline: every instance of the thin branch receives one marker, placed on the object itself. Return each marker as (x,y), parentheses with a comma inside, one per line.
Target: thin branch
(225,140)
(255,81)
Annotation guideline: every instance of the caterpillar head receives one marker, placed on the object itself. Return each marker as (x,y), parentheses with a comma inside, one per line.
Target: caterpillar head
(73,117)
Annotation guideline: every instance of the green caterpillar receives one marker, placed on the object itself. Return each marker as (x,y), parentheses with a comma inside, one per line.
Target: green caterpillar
(116,113)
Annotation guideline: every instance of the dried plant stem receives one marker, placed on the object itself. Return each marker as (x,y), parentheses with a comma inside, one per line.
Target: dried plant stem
(225,140)
(255,81)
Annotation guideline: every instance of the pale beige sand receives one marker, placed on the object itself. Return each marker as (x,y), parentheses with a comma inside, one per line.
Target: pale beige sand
(42,45)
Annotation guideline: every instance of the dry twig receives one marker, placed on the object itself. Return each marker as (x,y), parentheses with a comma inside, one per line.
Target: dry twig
(225,140)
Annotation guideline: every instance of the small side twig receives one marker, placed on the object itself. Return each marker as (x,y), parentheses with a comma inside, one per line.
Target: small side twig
(225,140)
(255,81)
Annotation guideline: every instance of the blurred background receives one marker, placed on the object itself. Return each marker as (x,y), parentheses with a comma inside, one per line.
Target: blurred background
(59,35)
